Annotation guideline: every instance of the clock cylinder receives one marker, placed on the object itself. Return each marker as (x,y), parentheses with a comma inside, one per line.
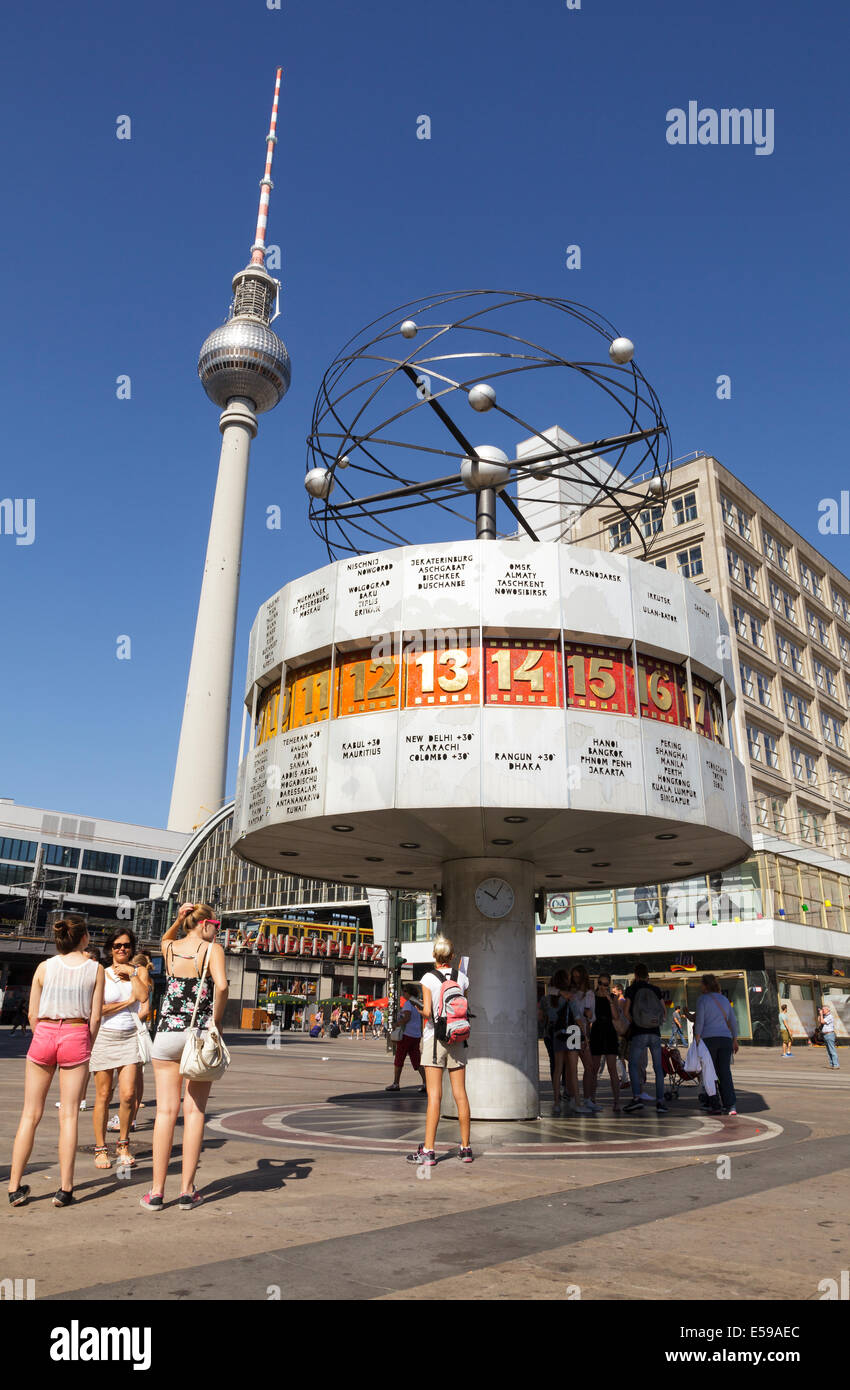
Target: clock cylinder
(502,1064)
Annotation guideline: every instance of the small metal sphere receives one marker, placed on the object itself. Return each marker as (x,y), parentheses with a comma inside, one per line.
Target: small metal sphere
(343,461)
(491,471)
(408,329)
(622,350)
(481,396)
(245,358)
(656,487)
(318,482)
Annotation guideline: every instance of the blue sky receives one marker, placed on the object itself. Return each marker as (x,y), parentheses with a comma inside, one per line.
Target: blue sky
(548,129)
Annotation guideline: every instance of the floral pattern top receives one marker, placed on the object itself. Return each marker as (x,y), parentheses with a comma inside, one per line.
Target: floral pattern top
(178,1002)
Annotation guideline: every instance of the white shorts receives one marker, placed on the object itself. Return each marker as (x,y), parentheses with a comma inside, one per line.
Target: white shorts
(168,1047)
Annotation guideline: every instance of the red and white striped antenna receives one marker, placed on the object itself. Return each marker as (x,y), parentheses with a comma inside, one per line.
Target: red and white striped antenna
(258,250)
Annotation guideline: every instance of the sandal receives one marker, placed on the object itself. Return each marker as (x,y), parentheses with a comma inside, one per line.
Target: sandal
(123,1157)
(101,1157)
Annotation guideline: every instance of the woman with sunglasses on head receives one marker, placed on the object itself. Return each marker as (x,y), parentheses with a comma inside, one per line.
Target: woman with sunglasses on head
(64,1012)
(196,975)
(117,1046)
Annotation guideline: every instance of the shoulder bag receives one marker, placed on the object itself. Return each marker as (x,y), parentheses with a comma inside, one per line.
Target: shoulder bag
(205,1056)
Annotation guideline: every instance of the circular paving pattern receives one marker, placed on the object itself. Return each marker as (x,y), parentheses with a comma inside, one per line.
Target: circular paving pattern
(368,1125)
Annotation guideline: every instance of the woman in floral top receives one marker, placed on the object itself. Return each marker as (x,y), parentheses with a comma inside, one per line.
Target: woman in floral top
(185,963)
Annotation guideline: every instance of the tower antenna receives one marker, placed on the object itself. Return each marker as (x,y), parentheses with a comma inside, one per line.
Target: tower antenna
(258,250)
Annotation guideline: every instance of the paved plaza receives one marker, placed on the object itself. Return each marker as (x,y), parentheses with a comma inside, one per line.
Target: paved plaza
(308,1196)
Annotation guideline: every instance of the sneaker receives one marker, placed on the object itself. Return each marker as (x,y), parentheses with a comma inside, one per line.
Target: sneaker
(580,1109)
(733,1111)
(151,1201)
(465,1155)
(19,1198)
(114,1123)
(188,1201)
(644,1096)
(63,1198)
(661,1107)
(633,1106)
(394,1087)
(423,1156)
(556,1111)
(594,1108)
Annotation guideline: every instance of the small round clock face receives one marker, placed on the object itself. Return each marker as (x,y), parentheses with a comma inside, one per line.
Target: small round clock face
(494,897)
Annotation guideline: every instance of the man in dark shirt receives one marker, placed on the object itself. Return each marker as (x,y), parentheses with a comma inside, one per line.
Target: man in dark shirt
(643,1036)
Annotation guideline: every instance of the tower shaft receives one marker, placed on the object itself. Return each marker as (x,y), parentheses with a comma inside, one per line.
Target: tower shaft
(200,774)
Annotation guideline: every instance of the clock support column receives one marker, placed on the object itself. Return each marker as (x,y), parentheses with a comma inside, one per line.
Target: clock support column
(502,1060)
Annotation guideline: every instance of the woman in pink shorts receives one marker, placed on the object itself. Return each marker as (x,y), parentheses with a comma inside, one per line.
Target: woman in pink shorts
(64,1012)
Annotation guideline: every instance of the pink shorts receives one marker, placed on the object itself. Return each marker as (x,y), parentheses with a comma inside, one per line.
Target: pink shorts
(56,1043)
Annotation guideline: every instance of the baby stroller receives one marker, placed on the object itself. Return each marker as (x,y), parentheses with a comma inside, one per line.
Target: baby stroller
(674,1069)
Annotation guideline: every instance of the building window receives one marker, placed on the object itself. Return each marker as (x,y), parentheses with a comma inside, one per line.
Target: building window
(783,651)
(783,556)
(776,595)
(757,632)
(59,854)
(740,618)
(839,604)
(140,868)
(100,862)
(661,564)
(755,745)
(620,534)
(811,768)
(833,730)
(796,762)
(796,658)
(825,678)
(165,866)
(777,811)
(727,509)
(690,561)
(762,810)
(13,875)
(797,709)
(651,521)
(685,508)
(768,544)
(844,647)
(763,687)
(747,684)
(98,886)
(771,752)
(734,565)
(134,888)
(751,577)
(810,580)
(22,850)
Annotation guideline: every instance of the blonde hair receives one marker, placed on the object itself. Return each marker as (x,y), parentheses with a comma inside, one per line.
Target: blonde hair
(443,950)
(199,914)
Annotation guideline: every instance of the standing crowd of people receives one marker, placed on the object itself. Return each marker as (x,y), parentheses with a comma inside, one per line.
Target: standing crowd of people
(605,1027)
(88,1019)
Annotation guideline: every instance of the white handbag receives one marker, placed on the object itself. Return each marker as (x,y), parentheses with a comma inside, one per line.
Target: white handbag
(205,1056)
(145,1044)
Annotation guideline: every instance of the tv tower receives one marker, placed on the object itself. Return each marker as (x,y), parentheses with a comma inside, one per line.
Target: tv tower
(245,369)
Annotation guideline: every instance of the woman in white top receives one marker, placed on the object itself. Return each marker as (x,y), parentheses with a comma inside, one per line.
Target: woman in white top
(117,1046)
(65,1005)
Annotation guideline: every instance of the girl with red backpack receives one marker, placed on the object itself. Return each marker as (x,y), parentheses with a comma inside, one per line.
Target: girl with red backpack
(446,1030)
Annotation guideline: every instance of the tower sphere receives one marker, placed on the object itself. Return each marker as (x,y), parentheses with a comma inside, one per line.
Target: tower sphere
(491,471)
(622,350)
(245,358)
(408,329)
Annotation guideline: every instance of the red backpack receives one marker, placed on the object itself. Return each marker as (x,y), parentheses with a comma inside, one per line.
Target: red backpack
(451,1012)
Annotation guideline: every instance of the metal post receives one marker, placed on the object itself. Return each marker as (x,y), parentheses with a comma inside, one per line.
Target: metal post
(356,961)
(485,514)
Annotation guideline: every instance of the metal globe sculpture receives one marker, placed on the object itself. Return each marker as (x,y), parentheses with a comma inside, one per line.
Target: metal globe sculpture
(393,410)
